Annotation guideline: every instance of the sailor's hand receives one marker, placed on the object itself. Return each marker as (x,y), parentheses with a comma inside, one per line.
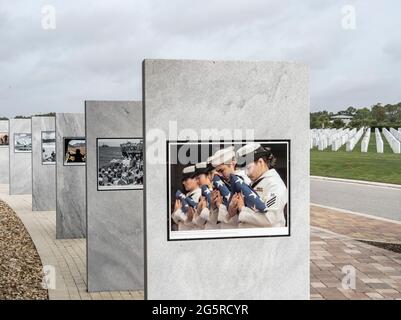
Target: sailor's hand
(190,213)
(201,205)
(240,201)
(217,200)
(233,207)
(177,205)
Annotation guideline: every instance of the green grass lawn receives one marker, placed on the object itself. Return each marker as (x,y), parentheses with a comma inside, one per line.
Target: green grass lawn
(370,166)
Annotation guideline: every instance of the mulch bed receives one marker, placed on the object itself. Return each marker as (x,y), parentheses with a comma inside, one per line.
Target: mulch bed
(395,247)
(20,265)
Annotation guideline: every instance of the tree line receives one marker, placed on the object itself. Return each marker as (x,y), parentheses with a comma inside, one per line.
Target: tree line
(377,116)
(50,114)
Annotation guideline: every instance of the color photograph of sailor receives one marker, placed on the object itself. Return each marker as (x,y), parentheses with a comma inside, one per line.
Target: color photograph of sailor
(74,151)
(120,164)
(22,142)
(235,190)
(4,139)
(48,147)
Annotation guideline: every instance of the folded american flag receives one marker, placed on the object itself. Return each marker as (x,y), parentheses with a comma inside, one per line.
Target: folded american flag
(251,198)
(222,187)
(185,201)
(207,194)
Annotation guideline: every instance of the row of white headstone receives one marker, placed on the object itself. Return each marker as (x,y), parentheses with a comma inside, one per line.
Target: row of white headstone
(354,140)
(365,140)
(341,137)
(323,138)
(392,140)
(379,141)
(336,138)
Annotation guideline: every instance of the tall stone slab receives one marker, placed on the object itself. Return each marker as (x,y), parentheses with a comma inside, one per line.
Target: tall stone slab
(43,172)
(20,158)
(115,245)
(273,99)
(4,154)
(70,180)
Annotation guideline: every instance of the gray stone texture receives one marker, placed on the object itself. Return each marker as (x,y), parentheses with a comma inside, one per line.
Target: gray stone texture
(21,162)
(70,181)
(4,156)
(43,176)
(115,218)
(273,99)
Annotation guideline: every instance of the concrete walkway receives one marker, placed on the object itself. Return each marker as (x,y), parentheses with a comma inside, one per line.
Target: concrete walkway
(67,256)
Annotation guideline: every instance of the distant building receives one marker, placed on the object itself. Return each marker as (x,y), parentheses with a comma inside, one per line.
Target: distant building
(346,119)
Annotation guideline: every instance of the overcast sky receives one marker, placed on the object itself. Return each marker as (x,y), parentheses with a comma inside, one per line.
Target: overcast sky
(95,51)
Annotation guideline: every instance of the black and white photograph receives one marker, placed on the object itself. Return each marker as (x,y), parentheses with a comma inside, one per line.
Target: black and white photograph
(48,147)
(4,140)
(228,190)
(22,142)
(120,163)
(74,151)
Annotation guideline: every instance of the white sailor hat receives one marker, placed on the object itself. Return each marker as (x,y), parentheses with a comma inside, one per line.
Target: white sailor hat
(222,156)
(188,172)
(251,152)
(203,167)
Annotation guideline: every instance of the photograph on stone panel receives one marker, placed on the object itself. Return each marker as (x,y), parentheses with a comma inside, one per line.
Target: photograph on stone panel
(48,140)
(74,151)
(228,190)
(22,142)
(4,140)
(119,163)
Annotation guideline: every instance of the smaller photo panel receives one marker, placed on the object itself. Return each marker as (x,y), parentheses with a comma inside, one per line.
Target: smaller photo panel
(74,151)
(4,139)
(119,163)
(22,142)
(48,147)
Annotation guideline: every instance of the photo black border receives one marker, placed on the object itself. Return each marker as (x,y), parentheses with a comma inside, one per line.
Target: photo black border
(86,146)
(97,165)
(15,133)
(41,148)
(6,145)
(227,142)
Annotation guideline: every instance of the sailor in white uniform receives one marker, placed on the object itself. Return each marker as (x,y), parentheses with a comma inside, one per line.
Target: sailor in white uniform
(224,163)
(184,221)
(259,162)
(204,217)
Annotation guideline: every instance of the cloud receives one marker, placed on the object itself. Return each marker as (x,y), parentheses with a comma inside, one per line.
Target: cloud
(98,46)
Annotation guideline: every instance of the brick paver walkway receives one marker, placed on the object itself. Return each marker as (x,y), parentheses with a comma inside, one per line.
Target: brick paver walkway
(377,271)
(67,256)
(356,226)
(334,245)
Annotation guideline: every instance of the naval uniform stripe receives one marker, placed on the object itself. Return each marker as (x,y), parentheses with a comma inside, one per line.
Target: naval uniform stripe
(271,202)
(274,198)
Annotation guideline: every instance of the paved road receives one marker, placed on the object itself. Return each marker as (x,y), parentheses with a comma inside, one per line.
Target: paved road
(379,201)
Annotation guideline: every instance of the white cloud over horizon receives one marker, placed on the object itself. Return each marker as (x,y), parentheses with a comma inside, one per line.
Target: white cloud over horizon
(95,53)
